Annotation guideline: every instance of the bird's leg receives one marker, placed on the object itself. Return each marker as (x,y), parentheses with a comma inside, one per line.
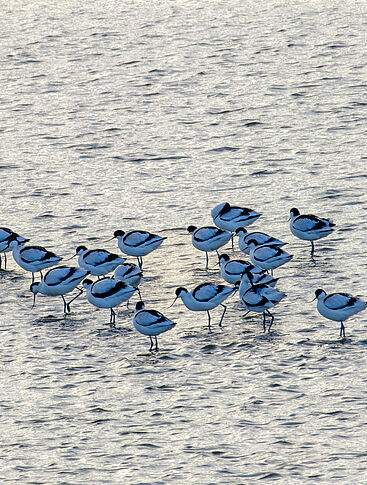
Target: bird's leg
(342,329)
(65,305)
(151,342)
(4,260)
(271,321)
(224,311)
(156,343)
(32,277)
(264,322)
(207,260)
(312,248)
(140,261)
(75,297)
(137,289)
(208,318)
(112,317)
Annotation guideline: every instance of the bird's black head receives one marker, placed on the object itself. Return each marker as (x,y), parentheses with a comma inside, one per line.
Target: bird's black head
(80,248)
(191,229)
(240,230)
(319,292)
(139,306)
(118,233)
(180,290)
(294,212)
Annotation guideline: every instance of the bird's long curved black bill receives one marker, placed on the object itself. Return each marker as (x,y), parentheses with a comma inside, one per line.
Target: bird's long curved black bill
(73,256)
(174,301)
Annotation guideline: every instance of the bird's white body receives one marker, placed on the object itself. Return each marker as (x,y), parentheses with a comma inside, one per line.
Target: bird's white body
(338,306)
(259,237)
(232,271)
(151,322)
(98,262)
(108,292)
(208,238)
(138,243)
(309,227)
(6,236)
(205,296)
(230,218)
(33,258)
(60,281)
(130,273)
(268,257)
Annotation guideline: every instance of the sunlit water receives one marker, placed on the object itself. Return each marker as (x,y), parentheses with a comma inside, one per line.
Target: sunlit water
(144,115)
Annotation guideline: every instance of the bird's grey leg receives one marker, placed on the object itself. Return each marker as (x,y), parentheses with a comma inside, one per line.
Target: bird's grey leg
(224,311)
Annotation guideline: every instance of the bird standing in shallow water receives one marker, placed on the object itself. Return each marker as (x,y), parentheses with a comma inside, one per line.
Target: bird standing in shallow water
(261,239)
(232,270)
(309,227)
(205,297)
(108,293)
(131,274)
(137,243)
(268,257)
(151,323)
(208,239)
(230,218)
(259,298)
(6,237)
(98,262)
(33,258)
(338,306)
(58,282)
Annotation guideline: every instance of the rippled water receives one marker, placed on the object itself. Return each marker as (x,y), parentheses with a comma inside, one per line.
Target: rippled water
(144,115)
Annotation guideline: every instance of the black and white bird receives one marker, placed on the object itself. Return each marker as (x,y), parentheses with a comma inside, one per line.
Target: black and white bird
(259,299)
(261,239)
(230,218)
(131,274)
(268,257)
(232,270)
(6,237)
(98,262)
(249,278)
(33,258)
(151,323)
(108,293)
(58,282)
(208,238)
(309,227)
(338,306)
(137,243)
(205,297)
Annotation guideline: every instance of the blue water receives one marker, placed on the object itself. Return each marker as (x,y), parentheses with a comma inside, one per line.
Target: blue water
(138,115)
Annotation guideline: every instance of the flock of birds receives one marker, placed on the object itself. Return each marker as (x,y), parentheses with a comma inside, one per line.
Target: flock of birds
(254,281)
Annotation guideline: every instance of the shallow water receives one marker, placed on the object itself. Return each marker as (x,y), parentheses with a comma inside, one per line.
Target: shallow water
(145,116)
